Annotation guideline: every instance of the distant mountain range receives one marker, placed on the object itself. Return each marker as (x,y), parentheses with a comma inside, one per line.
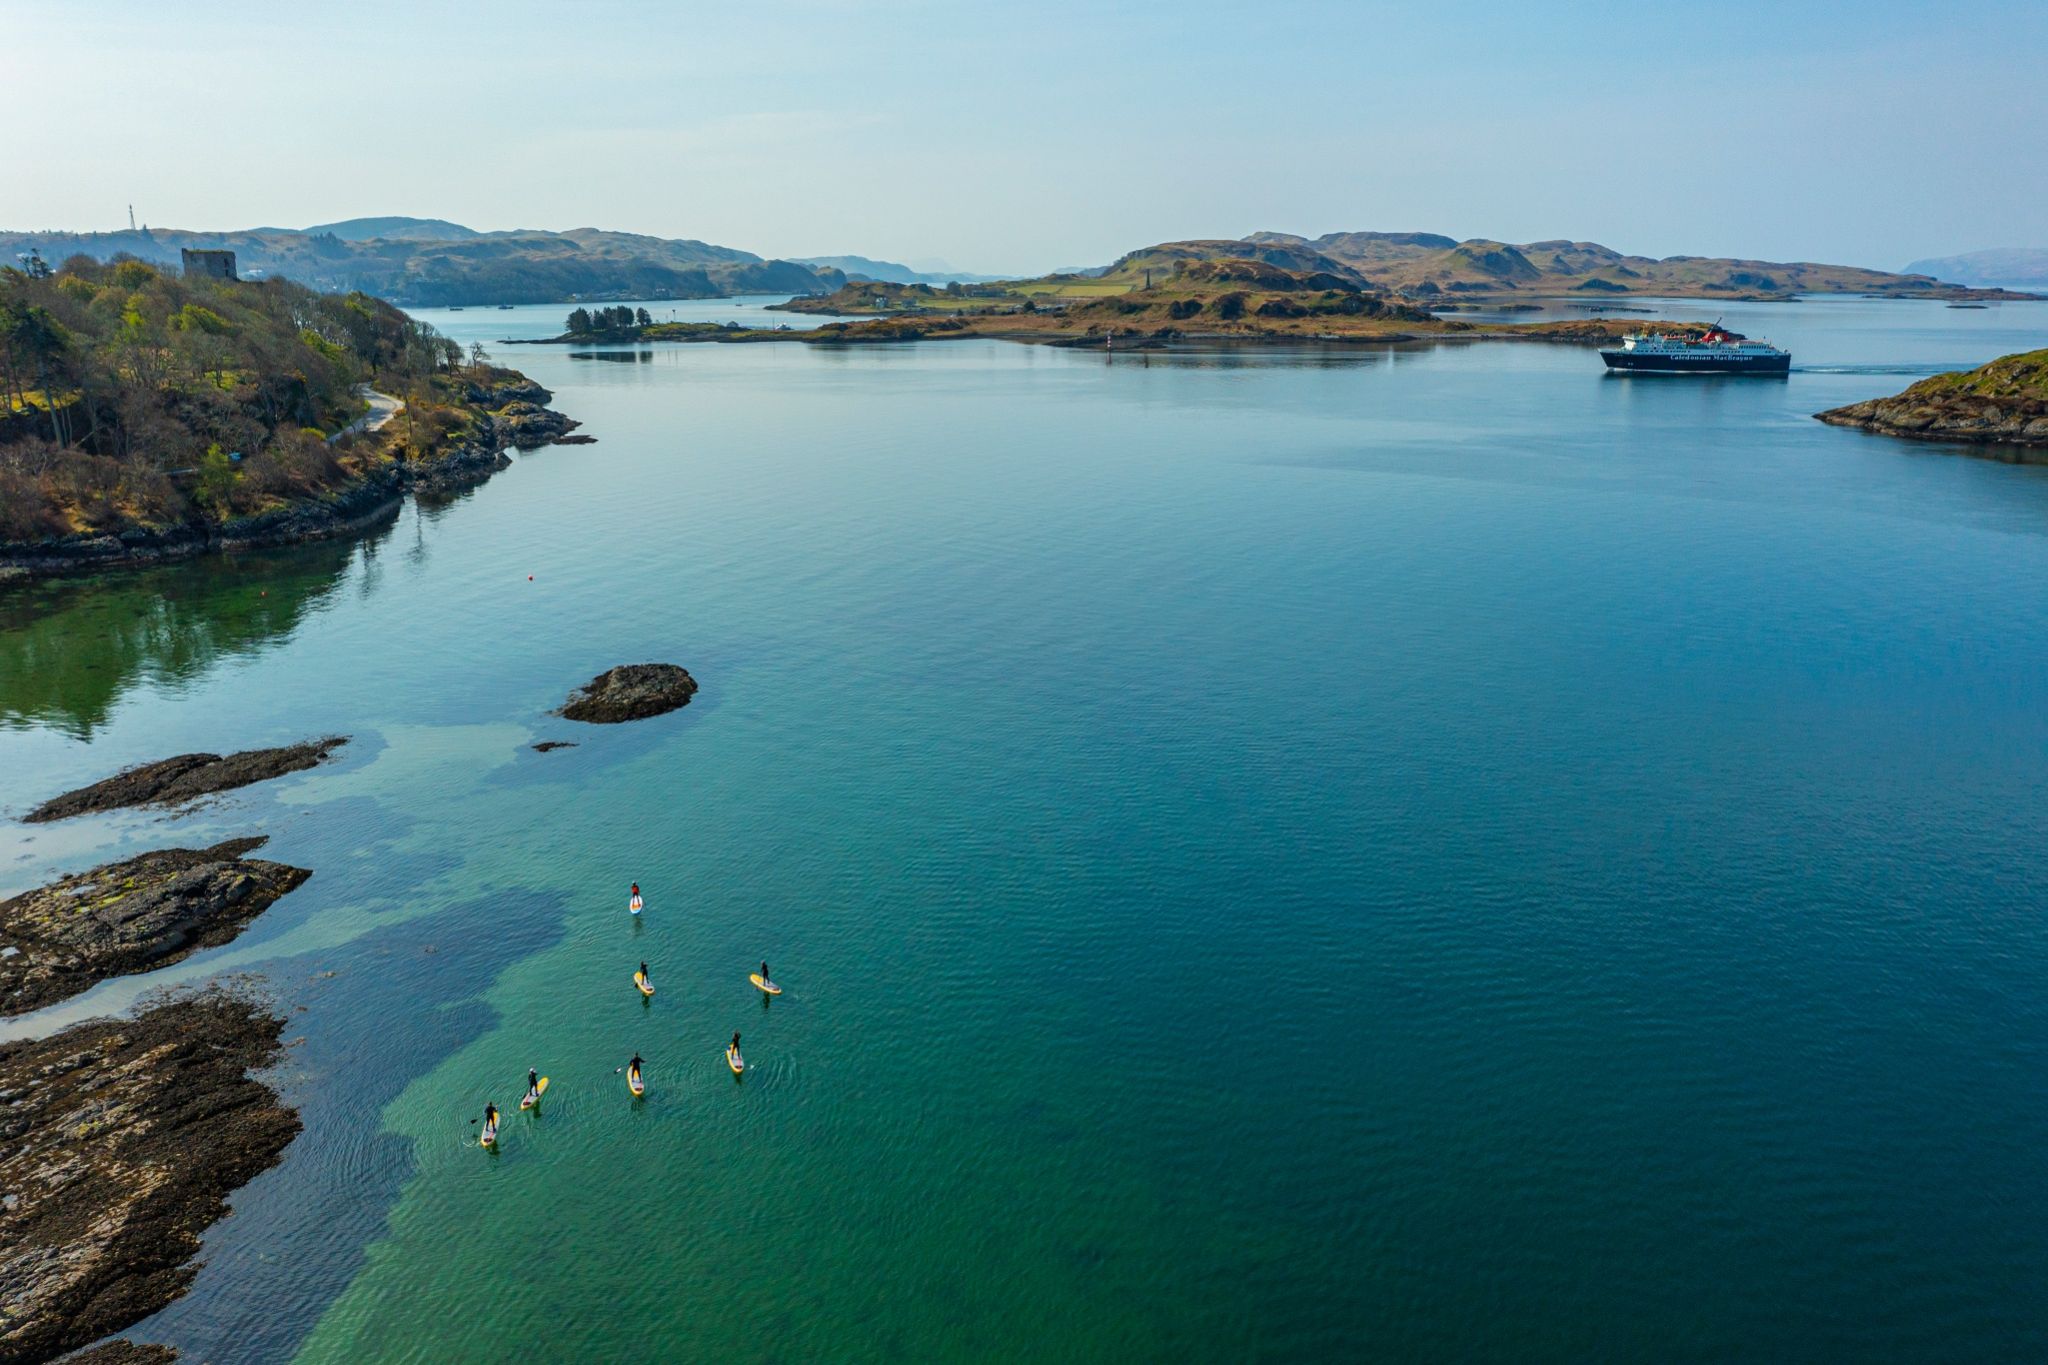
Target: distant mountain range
(429,262)
(1430,267)
(2022,266)
(865,268)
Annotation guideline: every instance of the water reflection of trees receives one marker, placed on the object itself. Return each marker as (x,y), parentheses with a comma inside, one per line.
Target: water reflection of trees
(70,648)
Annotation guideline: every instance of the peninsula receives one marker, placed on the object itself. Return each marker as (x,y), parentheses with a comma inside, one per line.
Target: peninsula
(147,417)
(2002,408)
(1228,300)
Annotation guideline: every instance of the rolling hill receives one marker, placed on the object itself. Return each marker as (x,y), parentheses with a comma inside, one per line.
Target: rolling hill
(432,267)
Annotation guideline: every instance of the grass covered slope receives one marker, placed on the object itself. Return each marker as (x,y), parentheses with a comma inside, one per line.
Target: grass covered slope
(2004,403)
(131,398)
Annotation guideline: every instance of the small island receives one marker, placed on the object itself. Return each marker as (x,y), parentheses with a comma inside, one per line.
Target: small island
(630,692)
(2002,408)
(147,417)
(1226,301)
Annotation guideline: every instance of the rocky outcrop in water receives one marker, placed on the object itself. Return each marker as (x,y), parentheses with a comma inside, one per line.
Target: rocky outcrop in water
(187,777)
(2003,405)
(120,1141)
(131,916)
(631,692)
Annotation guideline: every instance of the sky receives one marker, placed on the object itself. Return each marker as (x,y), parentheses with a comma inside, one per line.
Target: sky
(1015,138)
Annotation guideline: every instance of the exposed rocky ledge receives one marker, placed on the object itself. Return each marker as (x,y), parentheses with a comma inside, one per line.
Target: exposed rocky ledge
(131,916)
(120,1141)
(185,778)
(2003,405)
(631,692)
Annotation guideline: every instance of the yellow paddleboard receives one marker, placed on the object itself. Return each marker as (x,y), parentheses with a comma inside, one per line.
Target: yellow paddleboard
(734,1060)
(764,983)
(534,1098)
(634,1083)
(641,981)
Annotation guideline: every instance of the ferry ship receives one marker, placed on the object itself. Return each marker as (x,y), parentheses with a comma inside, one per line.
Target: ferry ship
(1718,351)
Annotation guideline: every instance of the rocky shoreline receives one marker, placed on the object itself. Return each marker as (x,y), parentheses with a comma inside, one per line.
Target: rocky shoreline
(2002,406)
(131,916)
(122,1142)
(173,781)
(525,422)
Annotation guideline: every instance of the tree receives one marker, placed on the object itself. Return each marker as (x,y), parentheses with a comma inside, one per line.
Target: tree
(579,320)
(644,319)
(215,484)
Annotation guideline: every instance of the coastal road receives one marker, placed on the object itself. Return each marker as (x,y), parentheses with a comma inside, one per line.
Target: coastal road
(383,407)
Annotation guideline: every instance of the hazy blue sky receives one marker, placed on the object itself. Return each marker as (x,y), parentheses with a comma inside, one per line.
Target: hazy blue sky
(1025,136)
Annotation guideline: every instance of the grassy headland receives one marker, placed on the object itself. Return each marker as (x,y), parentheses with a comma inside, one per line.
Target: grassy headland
(135,402)
(2003,404)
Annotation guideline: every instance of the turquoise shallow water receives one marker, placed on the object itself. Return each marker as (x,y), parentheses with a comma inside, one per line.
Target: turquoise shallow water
(1427,853)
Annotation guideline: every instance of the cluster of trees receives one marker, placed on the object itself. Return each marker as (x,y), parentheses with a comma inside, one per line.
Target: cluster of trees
(617,318)
(130,396)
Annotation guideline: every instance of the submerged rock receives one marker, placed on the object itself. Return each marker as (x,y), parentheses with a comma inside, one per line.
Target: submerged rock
(120,1141)
(548,746)
(131,916)
(185,778)
(631,692)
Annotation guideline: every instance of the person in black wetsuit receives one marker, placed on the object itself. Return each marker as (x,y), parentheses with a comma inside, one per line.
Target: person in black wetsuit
(532,1083)
(633,1067)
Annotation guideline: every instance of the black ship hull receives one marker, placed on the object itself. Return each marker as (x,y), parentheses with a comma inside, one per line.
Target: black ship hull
(1635,362)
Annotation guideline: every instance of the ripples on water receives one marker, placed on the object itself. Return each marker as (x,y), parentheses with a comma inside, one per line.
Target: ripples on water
(1418,853)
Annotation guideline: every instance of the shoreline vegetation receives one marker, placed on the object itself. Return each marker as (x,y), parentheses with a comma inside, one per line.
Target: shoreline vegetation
(147,418)
(1226,301)
(2000,407)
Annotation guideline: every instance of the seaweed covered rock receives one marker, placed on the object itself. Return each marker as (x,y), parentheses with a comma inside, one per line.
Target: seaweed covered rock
(185,778)
(131,916)
(122,1141)
(631,692)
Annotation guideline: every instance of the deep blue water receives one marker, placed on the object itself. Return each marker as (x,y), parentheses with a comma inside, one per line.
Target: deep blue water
(1422,853)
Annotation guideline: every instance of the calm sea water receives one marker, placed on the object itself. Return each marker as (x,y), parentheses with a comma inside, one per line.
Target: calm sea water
(1427,853)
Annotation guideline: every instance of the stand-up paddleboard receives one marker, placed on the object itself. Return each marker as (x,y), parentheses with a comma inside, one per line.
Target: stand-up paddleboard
(489,1136)
(634,905)
(533,1095)
(635,1084)
(764,983)
(640,980)
(735,1061)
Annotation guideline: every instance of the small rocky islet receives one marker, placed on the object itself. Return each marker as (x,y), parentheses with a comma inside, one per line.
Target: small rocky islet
(187,777)
(2002,406)
(132,916)
(630,692)
(122,1140)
